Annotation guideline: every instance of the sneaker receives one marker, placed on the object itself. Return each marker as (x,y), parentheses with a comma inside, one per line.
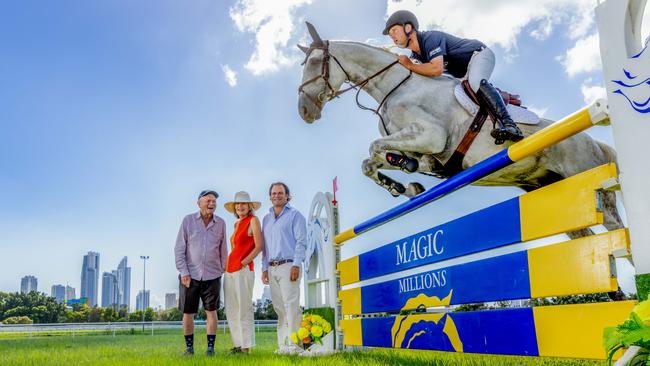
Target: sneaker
(209,352)
(235,350)
(189,351)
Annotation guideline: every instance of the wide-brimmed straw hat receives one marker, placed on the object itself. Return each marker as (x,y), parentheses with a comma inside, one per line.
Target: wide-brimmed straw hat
(241,197)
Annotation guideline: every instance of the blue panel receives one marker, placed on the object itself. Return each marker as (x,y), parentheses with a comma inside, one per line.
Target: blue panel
(500,278)
(510,331)
(376,332)
(491,227)
(469,176)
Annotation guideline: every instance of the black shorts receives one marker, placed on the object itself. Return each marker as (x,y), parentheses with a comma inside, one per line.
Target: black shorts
(207,291)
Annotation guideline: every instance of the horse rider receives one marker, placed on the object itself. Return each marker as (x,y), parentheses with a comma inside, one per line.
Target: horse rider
(462,58)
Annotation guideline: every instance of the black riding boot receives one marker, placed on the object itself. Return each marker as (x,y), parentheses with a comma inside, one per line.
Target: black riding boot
(490,98)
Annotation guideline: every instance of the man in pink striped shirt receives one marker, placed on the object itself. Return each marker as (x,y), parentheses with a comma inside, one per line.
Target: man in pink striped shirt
(201,252)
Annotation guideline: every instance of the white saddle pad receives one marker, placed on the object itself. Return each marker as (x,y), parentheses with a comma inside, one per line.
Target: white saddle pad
(518,114)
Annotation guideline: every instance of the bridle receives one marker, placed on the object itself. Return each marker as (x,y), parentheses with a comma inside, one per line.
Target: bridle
(325,96)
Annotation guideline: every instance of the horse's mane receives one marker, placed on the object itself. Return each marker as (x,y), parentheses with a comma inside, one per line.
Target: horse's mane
(365,45)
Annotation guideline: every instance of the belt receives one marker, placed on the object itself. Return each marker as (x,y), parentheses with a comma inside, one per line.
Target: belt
(279,262)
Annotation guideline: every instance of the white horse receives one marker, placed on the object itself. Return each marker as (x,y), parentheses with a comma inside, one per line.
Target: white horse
(423,120)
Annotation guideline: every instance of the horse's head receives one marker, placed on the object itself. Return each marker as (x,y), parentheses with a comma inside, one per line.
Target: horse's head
(320,80)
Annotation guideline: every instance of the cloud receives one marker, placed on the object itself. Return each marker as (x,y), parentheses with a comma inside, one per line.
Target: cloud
(592,92)
(272,23)
(544,30)
(583,57)
(500,22)
(539,111)
(230,75)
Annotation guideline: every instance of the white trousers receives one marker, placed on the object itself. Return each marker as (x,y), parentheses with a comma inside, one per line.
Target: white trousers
(480,67)
(285,295)
(238,291)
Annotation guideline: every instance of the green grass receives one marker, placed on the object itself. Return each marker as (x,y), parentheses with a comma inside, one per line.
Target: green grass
(165,348)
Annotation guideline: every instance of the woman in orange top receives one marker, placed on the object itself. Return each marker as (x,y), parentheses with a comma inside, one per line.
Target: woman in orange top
(246,243)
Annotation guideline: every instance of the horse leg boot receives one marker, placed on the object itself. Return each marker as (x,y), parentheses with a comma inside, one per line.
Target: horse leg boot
(404,162)
(394,187)
(492,101)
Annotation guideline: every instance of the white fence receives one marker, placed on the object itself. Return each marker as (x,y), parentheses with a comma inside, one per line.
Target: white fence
(114,328)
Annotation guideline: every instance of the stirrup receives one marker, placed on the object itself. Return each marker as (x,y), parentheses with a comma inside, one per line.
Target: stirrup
(502,135)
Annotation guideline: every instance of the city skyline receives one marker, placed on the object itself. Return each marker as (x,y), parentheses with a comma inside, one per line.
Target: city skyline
(115,285)
(109,290)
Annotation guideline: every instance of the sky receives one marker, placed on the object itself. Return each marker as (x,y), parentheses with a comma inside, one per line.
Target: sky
(115,114)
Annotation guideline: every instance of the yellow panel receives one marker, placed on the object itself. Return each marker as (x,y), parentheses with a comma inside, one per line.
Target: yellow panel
(575,267)
(349,270)
(578,121)
(344,236)
(564,206)
(351,332)
(350,301)
(576,331)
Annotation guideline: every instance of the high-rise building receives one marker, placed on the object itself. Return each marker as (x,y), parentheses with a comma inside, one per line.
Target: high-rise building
(139,305)
(109,289)
(28,284)
(170,300)
(124,283)
(90,278)
(69,293)
(58,292)
(266,294)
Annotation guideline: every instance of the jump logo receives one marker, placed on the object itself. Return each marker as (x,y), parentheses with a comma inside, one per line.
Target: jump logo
(411,331)
(634,88)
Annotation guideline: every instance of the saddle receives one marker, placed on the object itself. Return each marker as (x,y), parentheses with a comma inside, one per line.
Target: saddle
(520,114)
(508,98)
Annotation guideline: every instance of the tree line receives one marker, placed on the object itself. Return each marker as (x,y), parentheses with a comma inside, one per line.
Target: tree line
(36,307)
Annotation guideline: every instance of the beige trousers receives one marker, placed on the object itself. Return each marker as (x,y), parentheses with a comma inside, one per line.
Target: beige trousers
(238,292)
(285,295)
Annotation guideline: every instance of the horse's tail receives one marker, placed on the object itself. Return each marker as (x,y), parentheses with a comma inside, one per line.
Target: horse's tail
(608,152)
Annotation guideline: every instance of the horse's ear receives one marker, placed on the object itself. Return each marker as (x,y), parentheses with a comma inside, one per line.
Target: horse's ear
(303,48)
(314,34)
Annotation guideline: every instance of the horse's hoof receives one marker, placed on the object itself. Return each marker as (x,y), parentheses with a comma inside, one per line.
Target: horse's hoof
(414,188)
(397,189)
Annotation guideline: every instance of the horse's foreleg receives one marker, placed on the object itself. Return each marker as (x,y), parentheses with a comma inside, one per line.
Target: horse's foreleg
(406,150)
(371,168)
